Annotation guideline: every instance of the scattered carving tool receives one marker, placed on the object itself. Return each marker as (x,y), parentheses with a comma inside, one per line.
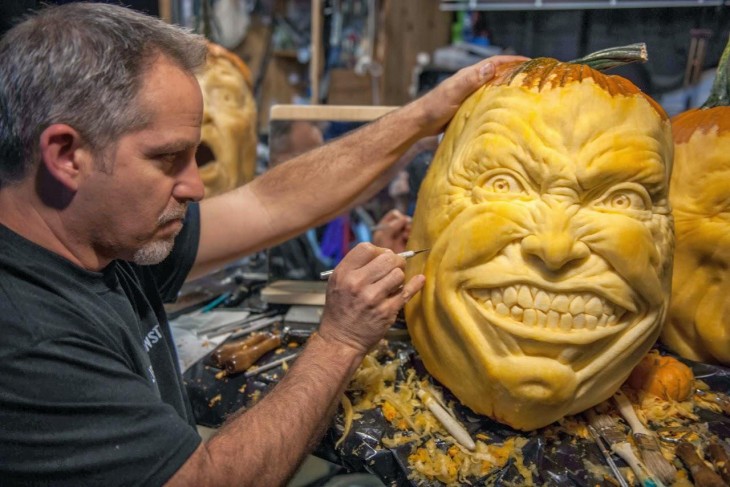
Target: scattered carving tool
(406,255)
(223,353)
(215,329)
(614,436)
(607,455)
(271,365)
(646,441)
(249,355)
(451,424)
(718,398)
(720,460)
(257,325)
(701,473)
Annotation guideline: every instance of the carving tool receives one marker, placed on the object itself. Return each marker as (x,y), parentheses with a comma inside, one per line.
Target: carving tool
(646,441)
(614,436)
(227,350)
(406,255)
(451,424)
(252,324)
(701,473)
(720,459)
(616,472)
(271,365)
(249,355)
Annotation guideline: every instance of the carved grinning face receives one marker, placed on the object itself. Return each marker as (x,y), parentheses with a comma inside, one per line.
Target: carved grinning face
(549,225)
(227,153)
(697,326)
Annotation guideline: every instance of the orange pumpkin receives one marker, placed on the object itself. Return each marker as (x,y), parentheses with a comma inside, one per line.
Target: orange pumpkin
(662,376)
(697,326)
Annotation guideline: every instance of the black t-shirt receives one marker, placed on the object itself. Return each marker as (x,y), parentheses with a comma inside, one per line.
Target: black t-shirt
(90,389)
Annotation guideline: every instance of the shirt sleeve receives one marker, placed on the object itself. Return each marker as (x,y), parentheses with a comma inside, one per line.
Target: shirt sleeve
(86,420)
(170,274)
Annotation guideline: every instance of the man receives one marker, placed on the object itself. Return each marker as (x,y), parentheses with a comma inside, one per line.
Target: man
(100,117)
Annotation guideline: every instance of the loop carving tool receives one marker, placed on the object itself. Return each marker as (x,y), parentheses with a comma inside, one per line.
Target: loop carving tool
(406,255)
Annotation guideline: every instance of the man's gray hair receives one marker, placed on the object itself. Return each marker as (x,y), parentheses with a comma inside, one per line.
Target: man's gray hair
(80,64)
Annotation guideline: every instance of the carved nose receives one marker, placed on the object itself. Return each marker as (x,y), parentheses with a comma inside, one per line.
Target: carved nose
(555,249)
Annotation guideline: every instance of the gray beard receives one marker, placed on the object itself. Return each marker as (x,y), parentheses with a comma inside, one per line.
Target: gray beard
(153,252)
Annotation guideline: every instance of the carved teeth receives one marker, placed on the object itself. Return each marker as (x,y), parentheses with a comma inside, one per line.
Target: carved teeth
(536,307)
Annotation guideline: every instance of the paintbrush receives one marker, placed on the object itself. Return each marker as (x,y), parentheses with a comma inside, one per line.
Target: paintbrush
(406,255)
(646,441)
(607,456)
(614,436)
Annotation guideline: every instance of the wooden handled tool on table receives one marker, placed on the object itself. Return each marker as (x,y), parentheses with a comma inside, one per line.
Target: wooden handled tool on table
(701,473)
(249,355)
(225,352)
(720,459)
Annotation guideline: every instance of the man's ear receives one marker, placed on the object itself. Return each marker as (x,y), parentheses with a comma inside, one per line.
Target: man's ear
(64,154)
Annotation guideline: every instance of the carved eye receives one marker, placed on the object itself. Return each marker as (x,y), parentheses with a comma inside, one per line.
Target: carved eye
(503,183)
(633,198)
(224,97)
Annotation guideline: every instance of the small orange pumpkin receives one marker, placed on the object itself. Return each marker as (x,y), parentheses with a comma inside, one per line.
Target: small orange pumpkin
(662,376)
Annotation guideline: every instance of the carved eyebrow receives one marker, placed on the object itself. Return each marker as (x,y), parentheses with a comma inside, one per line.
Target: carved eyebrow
(636,161)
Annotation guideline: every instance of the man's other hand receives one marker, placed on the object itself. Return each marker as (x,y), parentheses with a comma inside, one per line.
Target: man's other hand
(392,231)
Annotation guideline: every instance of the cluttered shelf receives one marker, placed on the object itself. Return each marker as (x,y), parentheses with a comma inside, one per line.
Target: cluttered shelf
(394,419)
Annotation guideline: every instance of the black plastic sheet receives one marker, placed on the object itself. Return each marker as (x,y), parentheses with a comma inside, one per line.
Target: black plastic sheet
(555,457)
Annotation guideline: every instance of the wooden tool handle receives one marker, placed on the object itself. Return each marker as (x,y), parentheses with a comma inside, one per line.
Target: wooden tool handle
(720,459)
(245,359)
(701,473)
(224,353)
(627,411)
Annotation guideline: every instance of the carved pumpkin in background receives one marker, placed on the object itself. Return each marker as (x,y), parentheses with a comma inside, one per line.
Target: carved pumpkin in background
(546,212)
(698,325)
(227,153)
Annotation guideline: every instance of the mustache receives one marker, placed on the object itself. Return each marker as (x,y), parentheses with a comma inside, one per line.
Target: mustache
(174,213)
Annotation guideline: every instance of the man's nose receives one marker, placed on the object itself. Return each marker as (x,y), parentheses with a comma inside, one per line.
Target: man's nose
(189,185)
(554,241)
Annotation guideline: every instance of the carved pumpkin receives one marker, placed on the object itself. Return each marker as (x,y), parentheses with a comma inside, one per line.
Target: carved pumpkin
(662,376)
(227,153)
(546,212)
(698,325)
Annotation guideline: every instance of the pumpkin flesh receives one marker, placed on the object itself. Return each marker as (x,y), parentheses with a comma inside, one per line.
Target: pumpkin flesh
(697,326)
(546,212)
(228,131)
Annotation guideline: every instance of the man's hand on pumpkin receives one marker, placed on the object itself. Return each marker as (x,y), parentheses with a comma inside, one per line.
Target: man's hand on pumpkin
(440,104)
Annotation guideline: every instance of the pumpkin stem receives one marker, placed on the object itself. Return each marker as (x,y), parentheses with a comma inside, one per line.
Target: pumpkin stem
(720,93)
(614,56)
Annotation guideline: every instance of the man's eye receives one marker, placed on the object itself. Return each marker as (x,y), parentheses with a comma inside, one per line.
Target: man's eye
(168,157)
(626,199)
(503,183)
